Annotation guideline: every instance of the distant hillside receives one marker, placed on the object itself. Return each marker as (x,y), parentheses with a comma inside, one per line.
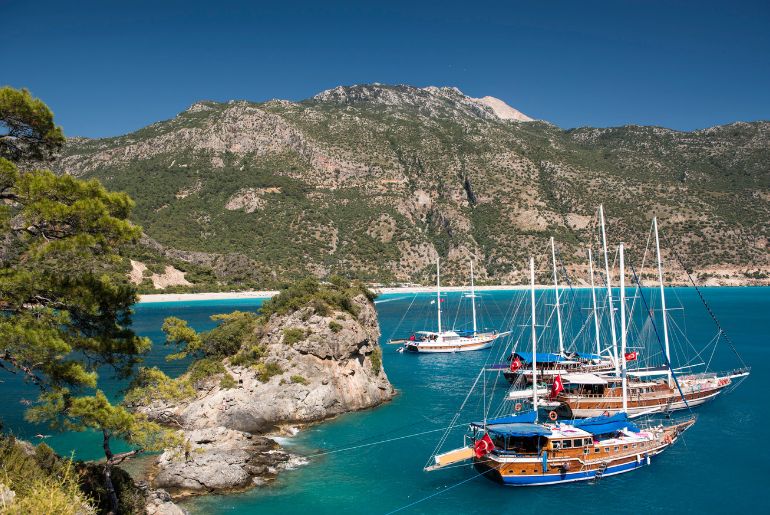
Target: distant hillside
(374,181)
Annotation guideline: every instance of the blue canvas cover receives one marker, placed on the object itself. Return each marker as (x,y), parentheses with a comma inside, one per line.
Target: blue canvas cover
(585,355)
(519,429)
(605,425)
(525,418)
(542,357)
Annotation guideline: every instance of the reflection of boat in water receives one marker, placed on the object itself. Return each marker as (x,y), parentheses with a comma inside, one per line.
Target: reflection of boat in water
(516,450)
(441,341)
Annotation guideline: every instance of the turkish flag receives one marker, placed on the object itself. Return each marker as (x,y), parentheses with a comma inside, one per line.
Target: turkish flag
(515,364)
(483,446)
(556,387)
(631,356)
(412,338)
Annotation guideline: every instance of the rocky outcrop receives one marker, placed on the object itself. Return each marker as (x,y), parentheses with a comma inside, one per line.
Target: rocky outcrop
(159,503)
(220,459)
(316,363)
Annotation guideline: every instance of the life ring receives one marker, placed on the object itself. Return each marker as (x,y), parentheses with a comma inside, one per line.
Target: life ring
(517,407)
(552,415)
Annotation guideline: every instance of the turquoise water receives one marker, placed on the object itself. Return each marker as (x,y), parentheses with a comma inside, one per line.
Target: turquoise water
(720,465)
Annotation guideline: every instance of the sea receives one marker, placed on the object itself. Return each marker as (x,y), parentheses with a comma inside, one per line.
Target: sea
(372,461)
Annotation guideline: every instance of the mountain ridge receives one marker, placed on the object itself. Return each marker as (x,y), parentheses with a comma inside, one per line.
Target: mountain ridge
(376,181)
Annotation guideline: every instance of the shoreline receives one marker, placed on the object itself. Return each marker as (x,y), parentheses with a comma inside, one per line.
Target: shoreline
(150,298)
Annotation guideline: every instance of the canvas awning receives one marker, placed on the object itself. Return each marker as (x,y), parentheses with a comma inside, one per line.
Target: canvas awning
(605,425)
(524,418)
(542,357)
(582,378)
(518,430)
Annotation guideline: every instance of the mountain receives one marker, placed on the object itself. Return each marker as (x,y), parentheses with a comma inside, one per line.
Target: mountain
(374,181)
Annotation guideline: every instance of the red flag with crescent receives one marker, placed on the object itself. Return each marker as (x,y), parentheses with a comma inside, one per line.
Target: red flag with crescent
(515,364)
(556,387)
(483,446)
(631,356)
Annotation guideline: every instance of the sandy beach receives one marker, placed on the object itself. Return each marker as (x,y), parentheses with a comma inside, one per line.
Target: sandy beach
(187,297)
(266,294)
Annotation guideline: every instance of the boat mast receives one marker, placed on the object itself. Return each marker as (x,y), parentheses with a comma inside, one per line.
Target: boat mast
(609,292)
(556,288)
(534,335)
(662,299)
(593,299)
(438,298)
(473,300)
(623,332)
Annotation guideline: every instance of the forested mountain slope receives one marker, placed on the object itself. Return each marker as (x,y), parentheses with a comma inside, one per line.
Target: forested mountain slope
(374,181)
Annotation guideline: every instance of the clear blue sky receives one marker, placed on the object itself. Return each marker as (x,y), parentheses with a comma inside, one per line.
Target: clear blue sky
(108,67)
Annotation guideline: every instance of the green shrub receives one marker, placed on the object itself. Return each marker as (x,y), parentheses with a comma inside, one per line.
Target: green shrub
(267,370)
(322,298)
(376,357)
(292,335)
(42,482)
(335,326)
(248,356)
(152,384)
(298,379)
(203,369)
(226,339)
(227,382)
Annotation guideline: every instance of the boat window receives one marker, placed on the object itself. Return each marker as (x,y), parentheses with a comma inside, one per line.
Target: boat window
(598,449)
(557,444)
(625,447)
(567,444)
(617,448)
(586,450)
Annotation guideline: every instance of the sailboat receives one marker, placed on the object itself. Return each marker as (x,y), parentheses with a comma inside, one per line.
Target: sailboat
(588,395)
(517,450)
(552,364)
(451,340)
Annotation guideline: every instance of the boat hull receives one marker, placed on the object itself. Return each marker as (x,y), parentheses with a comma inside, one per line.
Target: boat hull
(664,401)
(523,471)
(478,343)
(565,477)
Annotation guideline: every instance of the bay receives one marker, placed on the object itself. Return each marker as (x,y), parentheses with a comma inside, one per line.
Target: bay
(718,466)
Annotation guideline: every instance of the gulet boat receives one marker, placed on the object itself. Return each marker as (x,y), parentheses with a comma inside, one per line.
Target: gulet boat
(442,341)
(516,450)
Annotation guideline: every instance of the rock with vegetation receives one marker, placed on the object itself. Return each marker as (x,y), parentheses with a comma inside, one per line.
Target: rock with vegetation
(311,353)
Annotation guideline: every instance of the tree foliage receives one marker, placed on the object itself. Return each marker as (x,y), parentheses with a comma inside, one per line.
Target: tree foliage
(65,302)
(27,129)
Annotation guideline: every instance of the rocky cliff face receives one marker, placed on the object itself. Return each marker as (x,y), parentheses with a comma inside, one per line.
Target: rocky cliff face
(377,180)
(323,364)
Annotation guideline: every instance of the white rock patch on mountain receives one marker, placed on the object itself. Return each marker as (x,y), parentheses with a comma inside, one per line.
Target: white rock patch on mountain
(503,110)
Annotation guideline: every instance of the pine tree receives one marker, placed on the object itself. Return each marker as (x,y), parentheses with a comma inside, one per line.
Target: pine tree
(64,297)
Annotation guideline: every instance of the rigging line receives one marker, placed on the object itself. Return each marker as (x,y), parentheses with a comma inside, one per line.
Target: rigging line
(418,501)
(456,415)
(387,440)
(657,335)
(705,304)
(398,326)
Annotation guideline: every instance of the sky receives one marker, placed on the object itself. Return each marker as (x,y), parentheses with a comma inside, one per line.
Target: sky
(107,67)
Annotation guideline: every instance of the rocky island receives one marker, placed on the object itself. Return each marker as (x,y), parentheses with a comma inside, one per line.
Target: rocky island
(311,353)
